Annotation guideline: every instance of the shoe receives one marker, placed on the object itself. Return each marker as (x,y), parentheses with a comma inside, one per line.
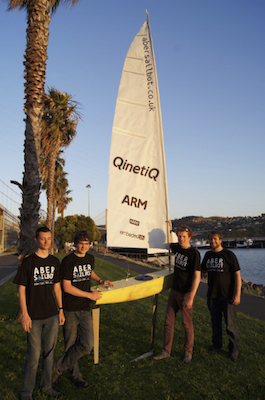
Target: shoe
(55,374)
(234,355)
(161,356)
(80,382)
(187,357)
(52,393)
(214,350)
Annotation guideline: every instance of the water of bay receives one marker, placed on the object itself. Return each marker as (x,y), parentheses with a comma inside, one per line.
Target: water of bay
(252,264)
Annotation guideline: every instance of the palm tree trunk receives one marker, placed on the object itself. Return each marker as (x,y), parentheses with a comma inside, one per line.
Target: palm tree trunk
(35,68)
(50,184)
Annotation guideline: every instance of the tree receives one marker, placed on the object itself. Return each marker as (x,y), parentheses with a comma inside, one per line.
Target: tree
(60,188)
(60,119)
(63,201)
(66,228)
(38,20)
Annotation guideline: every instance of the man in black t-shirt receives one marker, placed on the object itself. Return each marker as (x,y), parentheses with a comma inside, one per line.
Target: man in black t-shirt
(224,290)
(186,279)
(77,270)
(39,278)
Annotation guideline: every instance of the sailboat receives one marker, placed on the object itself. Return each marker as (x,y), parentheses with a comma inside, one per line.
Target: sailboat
(137,211)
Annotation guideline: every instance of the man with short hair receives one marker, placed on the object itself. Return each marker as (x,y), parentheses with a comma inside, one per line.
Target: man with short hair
(77,270)
(186,279)
(224,291)
(39,278)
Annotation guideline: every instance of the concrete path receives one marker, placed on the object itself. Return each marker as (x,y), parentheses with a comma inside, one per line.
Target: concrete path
(253,306)
(8,266)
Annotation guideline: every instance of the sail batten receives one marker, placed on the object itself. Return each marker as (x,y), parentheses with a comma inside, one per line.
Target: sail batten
(137,193)
(131,102)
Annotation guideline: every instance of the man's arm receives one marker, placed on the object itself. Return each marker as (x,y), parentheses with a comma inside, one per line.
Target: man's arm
(26,320)
(238,284)
(190,296)
(97,279)
(74,291)
(58,294)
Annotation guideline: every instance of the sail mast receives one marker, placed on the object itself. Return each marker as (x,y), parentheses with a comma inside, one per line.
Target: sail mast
(160,123)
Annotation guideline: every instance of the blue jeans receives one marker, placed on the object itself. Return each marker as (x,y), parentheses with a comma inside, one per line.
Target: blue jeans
(43,334)
(217,308)
(78,340)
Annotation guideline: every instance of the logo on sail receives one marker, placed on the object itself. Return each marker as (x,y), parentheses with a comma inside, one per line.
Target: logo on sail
(122,164)
(134,222)
(132,235)
(149,74)
(133,201)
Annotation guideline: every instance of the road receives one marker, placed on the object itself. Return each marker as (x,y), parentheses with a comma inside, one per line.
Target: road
(250,305)
(8,266)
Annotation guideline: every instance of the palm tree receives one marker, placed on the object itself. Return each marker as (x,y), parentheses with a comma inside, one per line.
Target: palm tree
(63,201)
(38,19)
(60,120)
(60,191)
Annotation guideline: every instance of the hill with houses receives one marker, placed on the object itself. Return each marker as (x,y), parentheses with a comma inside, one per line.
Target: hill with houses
(234,227)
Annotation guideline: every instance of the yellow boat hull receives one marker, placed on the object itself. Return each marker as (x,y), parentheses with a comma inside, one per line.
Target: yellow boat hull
(131,289)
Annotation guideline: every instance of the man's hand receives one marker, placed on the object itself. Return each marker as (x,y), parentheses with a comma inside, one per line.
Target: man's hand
(94,296)
(26,323)
(236,300)
(109,283)
(61,317)
(188,300)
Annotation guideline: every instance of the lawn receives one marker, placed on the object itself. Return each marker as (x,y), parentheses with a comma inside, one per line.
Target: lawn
(125,334)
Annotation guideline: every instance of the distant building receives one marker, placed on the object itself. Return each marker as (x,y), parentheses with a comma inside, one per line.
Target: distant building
(9,229)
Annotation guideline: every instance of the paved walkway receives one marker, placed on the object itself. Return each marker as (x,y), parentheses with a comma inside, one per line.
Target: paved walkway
(8,266)
(253,306)
(250,305)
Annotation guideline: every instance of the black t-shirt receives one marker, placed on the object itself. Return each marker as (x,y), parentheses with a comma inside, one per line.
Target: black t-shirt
(39,275)
(187,261)
(77,270)
(221,267)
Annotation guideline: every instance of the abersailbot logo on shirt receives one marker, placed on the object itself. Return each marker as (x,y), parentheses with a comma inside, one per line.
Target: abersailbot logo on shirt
(43,275)
(81,272)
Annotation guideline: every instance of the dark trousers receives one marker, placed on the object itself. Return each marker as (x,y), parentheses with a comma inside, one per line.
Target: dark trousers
(218,308)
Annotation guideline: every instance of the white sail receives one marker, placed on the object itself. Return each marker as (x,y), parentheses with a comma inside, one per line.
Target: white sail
(137,194)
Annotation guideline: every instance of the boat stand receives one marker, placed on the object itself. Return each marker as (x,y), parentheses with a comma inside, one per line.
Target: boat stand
(150,353)
(96,317)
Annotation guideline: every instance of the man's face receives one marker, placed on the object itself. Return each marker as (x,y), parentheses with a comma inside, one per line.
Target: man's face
(215,242)
(44,240)
(184,239)
(82,247)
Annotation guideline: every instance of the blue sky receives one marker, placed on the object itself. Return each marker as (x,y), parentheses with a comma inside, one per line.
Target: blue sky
(211,65)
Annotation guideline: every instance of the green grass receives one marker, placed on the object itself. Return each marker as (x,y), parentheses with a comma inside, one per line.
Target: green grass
(124,335)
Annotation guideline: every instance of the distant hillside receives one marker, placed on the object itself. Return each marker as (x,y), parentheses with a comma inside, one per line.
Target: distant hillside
(235,227)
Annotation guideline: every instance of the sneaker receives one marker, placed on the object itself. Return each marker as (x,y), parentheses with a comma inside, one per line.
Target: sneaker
(80,382)
(161,356)
(52,393)
(55,373)
(187,357)
(234,355)
(214,350)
